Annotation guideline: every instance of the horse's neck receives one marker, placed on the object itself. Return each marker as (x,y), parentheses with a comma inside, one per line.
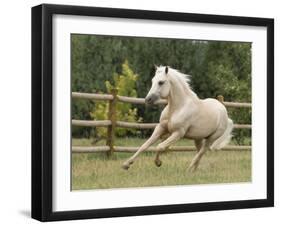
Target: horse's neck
(179,95)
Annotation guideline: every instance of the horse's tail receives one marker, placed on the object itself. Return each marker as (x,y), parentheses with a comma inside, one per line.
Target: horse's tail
(224,139)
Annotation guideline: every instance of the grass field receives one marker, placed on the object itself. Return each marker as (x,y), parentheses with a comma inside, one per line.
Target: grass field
(96,171)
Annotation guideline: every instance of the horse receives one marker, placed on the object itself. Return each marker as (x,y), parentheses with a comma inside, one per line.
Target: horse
(185,116)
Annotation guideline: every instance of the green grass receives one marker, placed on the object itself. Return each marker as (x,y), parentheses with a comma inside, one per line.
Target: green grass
(96,171)
(128,141)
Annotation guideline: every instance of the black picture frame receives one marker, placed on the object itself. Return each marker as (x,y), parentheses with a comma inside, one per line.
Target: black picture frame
(42,84)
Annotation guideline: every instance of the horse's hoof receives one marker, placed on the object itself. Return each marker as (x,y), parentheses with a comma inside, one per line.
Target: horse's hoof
(158,162)
(192,169)
(126,166)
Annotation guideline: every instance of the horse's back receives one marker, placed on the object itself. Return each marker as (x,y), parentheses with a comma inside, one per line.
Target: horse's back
(214,106)
(211,102)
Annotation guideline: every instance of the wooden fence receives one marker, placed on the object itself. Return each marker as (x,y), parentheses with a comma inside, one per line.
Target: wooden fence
(112,123)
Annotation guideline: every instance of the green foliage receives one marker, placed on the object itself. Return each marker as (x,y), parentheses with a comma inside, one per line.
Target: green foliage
(229,74)
(125,84)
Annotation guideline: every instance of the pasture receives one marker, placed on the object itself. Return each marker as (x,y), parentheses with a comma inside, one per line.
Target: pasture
(97,171)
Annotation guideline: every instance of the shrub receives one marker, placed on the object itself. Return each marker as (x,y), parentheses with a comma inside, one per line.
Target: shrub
(125,83)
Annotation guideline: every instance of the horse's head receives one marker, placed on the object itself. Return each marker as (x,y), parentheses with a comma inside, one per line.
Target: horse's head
(160,86)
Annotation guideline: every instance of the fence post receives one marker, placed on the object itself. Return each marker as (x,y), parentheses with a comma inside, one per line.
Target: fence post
(112,118)
(220,98)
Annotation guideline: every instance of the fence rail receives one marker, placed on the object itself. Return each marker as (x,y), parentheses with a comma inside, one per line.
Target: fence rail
(111,123)
(135,100)
(132,125)
(92,96)
(125,149)
(91,123)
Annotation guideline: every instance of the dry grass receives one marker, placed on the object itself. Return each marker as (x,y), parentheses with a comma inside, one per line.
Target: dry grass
(96,171)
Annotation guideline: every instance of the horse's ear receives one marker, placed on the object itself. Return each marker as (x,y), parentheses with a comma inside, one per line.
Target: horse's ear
(166,69)
(155,66)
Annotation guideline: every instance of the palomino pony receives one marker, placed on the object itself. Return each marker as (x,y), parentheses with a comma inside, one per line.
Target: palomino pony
(205,121)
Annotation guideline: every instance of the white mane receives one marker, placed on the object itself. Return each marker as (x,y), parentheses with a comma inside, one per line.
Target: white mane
(183,79)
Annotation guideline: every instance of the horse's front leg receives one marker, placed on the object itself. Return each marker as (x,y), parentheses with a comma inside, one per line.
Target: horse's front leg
(158,131)
(174,137)
(157,160)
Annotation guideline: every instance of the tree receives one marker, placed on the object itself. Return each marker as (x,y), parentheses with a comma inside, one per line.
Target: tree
(229,74)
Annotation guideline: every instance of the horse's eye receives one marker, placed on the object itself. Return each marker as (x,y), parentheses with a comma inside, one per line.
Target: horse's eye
(160,83)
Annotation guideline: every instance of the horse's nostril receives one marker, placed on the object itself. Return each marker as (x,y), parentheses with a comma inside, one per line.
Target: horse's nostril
(148,100)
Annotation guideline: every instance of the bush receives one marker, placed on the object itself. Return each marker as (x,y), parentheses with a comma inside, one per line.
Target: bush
(125,83)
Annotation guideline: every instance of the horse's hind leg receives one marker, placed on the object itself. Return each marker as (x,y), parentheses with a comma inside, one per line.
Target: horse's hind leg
(198,144)
(195,161)
(205,146)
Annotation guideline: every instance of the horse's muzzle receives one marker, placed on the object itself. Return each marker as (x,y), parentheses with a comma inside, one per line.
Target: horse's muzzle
(151,99)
